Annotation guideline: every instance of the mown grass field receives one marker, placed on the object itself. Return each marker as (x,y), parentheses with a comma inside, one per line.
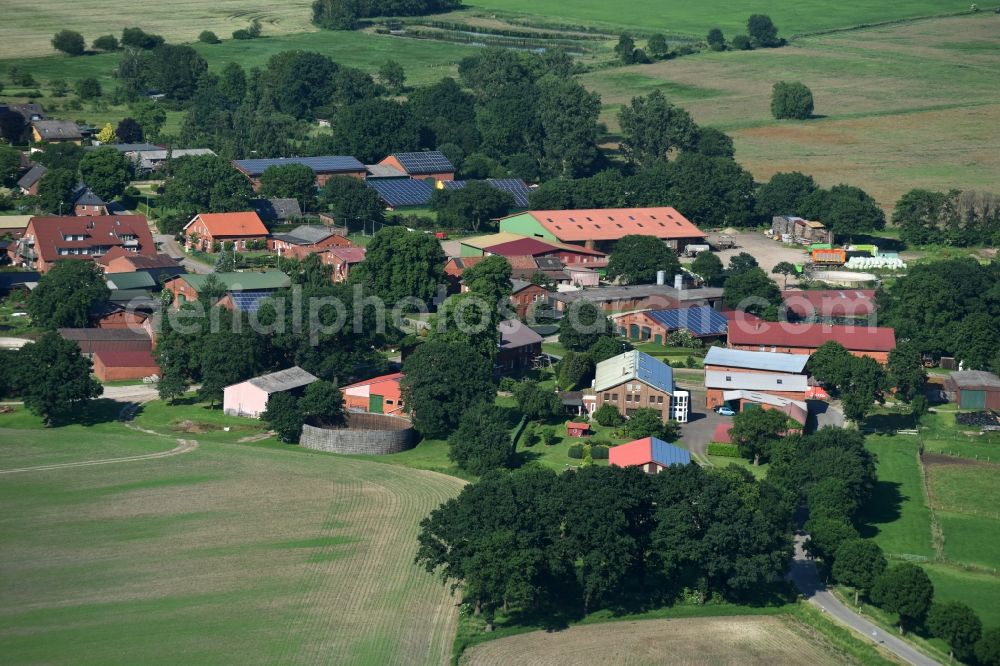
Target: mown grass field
(230,553)
(899,106)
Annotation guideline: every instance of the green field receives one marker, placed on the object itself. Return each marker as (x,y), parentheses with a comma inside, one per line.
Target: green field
(229,553)
(940,434)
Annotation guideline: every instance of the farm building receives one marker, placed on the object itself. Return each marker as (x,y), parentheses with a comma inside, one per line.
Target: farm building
(185,287)
(276,210)
(973,389)
(515,187)
(86,203)
(159,266)
(600,228)
(28,183)
(206,229)
(577,429)
(57,238)
(56,131)
(525,294)
(116,315)
(135,280)
(721,359)
(342,259)
(324,166)
(800,230)
(807,338)
(652,454)
(29,111)
(722,387)
(147,161)
(397,193)
(635,380)
(305,239)
(250,398)
(519,346)
(514,245)
(378,395)
(701,321)
(639,297)
(426,164)
(93,340)
(827,304)
(14,226)
(111,366)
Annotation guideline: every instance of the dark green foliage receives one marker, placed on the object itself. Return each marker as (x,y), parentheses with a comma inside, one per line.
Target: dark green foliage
(10,165)
(106,43)
(129,131)
(391,74)
(625,48)
(374,128)
(344,14)
(205,183)
(648,422)
(905,590)
(535,402)
(956,624)
(582,326)
(173,383)
(708,265)
(606,347)
(867,384)
(741,263)
(490,279)
(762,31)
(106,171)
(225,358)
(831,364)
(60,383)
(482,440)
(575,451)
(607,415)
(845,209)
(978,341)
(785,268)
(69,42)
(753,291)
(352,203)
(88,88)
(322,404)
(784,194)
(294,181)
(858,563)
(284,416)
(723,450)
(472,206)
(140,39)
(756,430)
(67,294)
(741,43)
(446,115)
(575,370)
(400,264)
(55,189)
(242,34)
(715,191)
(988,648)
(636,260)
(469,320)
(567,113)
(652,127)
(208,37)
(299,82)
(441,378)
(175,70)
(150,116)
(12,125)
(917,214)
(826,535)
(715,143)
(906,371)
(791,100)
(716,40)
(948,218)
(657,46)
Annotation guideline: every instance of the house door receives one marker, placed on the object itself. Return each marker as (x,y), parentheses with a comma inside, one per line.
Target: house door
(375,404)
(658,339)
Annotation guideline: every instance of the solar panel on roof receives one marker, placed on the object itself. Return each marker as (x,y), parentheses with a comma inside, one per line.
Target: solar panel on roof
(432,161)
(698,320)
(320,163)
(397,193)
(248,301)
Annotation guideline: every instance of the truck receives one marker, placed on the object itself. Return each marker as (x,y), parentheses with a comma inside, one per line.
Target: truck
(695,250)
(829,257)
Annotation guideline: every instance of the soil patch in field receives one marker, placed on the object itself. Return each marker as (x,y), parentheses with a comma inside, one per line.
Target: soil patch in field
(938,459)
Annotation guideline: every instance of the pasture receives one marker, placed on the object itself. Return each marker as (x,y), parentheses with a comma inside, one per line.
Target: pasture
(230,553)
(749,640)
(897,107)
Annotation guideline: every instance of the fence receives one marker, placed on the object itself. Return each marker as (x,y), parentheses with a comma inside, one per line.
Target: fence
(369,434)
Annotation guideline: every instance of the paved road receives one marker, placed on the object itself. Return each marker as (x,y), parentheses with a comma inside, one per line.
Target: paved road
(826,414)
(13,343)
(805,577)
(697,432)
(133,393)
(168,245)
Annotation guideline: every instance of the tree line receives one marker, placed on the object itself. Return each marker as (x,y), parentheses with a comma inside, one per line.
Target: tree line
(346,14)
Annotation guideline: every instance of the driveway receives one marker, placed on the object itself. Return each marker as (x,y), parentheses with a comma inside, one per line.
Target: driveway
(824,414)
(767,252)
(803,574)
(696,434)
(169,246)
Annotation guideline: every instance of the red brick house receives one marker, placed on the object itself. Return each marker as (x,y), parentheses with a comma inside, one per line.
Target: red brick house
(426,164)
(342,259)
(58,238)
(526,294)
(86,203)
(306,239)
(519,346)
(206,229)
(110,366)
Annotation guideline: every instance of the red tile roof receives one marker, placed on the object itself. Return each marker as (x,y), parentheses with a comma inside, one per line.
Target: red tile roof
(352,255)
(780,334)
(831,302)
(113,253)
(126,359)
(613,223)
(99,231)
(231,224)
(393,377)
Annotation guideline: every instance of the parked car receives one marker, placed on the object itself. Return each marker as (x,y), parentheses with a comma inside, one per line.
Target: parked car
(725,411)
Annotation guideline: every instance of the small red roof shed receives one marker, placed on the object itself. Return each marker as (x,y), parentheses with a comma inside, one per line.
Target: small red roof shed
(577,429)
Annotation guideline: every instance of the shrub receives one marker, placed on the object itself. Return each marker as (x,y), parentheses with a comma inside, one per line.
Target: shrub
(88,88)
(724,450)
(106,43)
(741,43)
(242,33)
(608,416)
(140,39)
(576,451)
(599,452)
(69,42)
(548,436)
(529,436)
(791,100)
(59,87)
(690,362)
(508,384)
(208,37)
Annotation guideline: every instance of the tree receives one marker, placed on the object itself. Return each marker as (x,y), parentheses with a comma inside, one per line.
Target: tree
(762,31)
(470,206)
(392,75)
(716,191)
(608,416)
(741,263)
(175,70)
(536,402)
(753,292)
(353,204)
(625,48)
(69,42)
(831,364)
(715,143)
(756,430)
(61,382)
(652,127)
(637,259)
(988,648)
(469,320)
(490,279)
(12,125)
(648,422)
(858,563)
(657,46)
(88,88)
(10,164)
(826,534)
(140,39)
(905,590)
(832,498)
(784,194)
(606,347)
(173,383)
(374,128)
(400,264)
(322,404)
(441,378)
(107,43)
(906,371)
(55,190)
(575,369)
(582,325)
(791,100)
(208,37)
(67,294)
(741,43)
(917,214)
(866,385)
(482,440)
(956,624)
(846,210)
(205,183)
(708,265)
(568,115)
(284,416)
(107,134)
(716,40)
(105,171)
(150,116)
(129,131)
(784,268)
(293,181)
(978,341)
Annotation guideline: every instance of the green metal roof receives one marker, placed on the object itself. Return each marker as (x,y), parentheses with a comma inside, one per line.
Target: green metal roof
(242,281)
(137,280)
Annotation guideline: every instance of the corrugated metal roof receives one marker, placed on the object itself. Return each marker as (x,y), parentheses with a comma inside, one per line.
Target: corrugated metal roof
(975,379)
(810,336)
(613,223)
(135,280)
(319,164)
(283,380)
(755,381)
(126,359)
(700,320)
(634,365)
(773,361)
(241,281)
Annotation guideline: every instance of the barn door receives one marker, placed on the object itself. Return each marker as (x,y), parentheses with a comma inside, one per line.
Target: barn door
(375,404)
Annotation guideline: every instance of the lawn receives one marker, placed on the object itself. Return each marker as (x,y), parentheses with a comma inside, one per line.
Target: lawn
(940,434)
(230,553)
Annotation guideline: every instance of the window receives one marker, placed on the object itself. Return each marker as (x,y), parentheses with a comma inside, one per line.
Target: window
(659,399)
(779,381)
(614,397)
(729,378)
(652,399)
(388,402)
(607,396)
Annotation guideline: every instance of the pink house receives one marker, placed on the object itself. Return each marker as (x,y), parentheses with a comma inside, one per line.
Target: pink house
(249,398)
